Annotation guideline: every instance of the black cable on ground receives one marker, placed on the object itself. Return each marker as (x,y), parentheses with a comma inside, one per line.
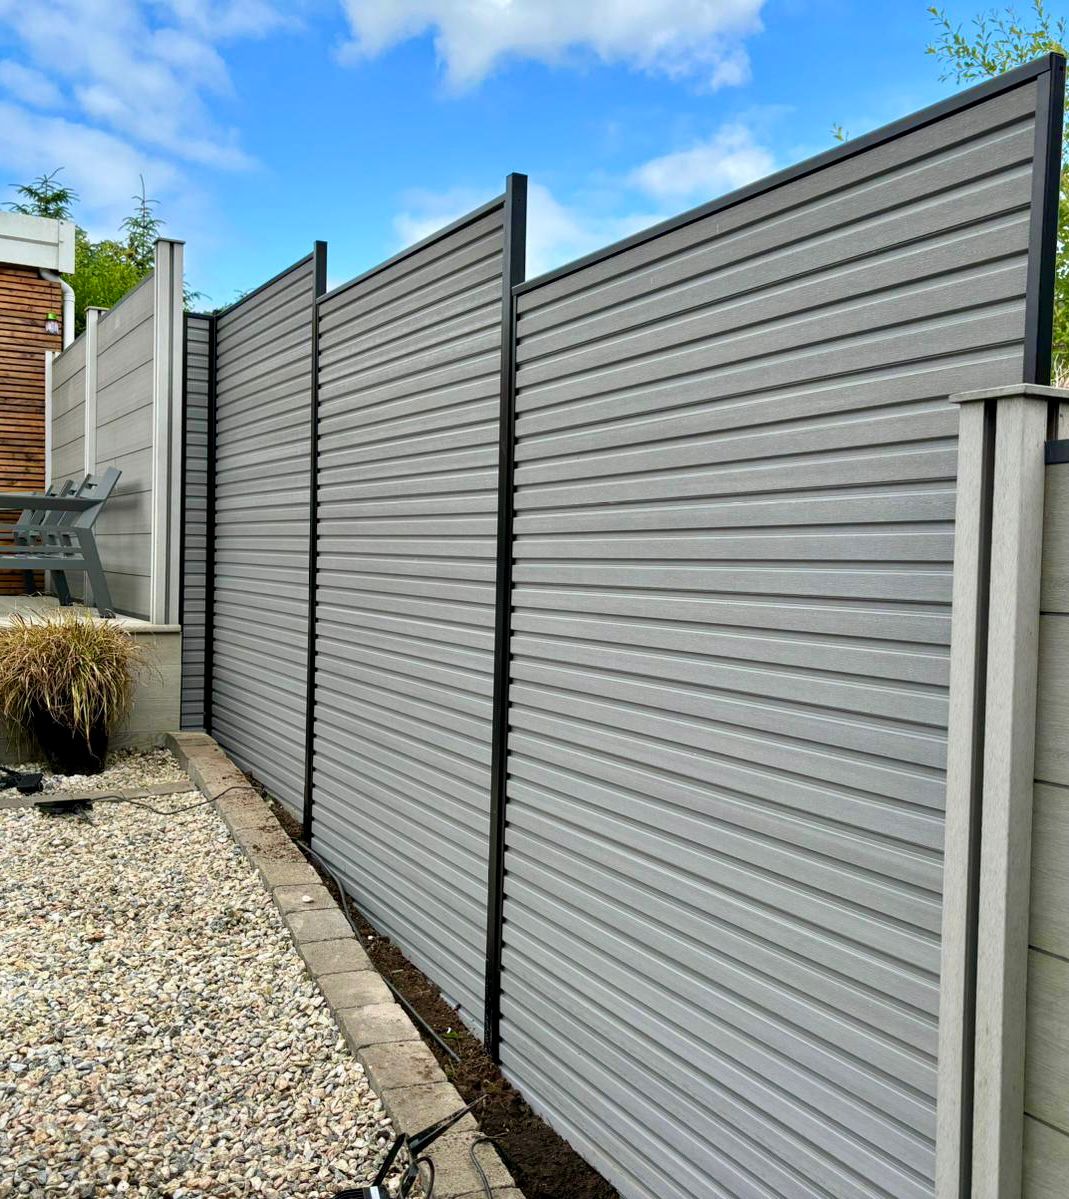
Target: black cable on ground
(428,1186)
(397,994)
(478,1168)
(140,803)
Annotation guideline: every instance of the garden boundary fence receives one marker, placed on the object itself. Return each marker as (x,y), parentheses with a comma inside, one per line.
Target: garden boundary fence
(610,657)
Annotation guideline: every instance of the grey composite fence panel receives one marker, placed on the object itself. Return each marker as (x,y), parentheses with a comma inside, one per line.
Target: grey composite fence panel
(125,432)
(263,398)
(734,493)
(194,517)
(68,412)
(409,386)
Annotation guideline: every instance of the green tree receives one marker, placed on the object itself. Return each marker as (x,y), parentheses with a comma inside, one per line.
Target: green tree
(142,230)
(45,197)
(995,42)
(105,270)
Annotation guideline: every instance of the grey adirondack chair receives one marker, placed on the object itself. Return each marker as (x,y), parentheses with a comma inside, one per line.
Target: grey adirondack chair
(57,535)
(24,531)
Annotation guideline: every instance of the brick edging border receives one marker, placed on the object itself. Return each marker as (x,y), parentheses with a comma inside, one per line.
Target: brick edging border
(400,1067)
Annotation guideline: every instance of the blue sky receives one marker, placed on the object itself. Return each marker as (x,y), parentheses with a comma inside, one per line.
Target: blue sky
(261,125)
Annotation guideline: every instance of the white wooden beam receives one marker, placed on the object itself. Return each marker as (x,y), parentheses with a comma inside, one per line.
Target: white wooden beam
(1009,771)
(963,795)
(990,772)
(166,437)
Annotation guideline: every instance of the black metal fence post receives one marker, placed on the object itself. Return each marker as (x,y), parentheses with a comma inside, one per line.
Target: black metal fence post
(319,288)
(1046,183)
(513,270)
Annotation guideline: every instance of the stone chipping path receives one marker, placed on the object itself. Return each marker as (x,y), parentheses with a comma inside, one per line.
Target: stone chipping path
(158,1033)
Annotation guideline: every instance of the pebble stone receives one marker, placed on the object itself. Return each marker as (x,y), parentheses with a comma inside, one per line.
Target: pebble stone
(124,768)
(158,1033)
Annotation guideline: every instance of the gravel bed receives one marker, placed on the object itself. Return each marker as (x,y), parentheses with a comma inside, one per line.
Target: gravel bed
(124,768)
(158,1033)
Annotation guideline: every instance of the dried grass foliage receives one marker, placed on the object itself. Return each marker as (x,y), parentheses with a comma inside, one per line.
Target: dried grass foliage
(79,669)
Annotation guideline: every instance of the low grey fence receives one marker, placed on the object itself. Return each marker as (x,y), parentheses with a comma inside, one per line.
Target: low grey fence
(116,400)
(626,712)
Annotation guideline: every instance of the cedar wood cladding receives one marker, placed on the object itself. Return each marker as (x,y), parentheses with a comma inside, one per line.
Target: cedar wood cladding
(25,302)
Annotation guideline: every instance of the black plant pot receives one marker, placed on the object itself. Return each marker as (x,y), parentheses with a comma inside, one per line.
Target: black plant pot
(69,752)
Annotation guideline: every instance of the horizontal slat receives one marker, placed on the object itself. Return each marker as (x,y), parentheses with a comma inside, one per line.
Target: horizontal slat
(1046,1088)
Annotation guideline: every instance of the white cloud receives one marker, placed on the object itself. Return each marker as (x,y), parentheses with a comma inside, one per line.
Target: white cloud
(727,160)
(558,231)
(703,39)
(220,19)
(426,212)
(144,71)
(112,89)
(29,86)
(102,168)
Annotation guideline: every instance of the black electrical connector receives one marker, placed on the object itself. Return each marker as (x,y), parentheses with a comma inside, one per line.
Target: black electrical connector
(25,782)
(414,1146)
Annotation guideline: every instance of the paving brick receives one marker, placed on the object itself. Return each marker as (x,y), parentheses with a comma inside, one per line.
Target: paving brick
(277,860)
(334,957)
(181,743)
(316,926)
(217,777)
(245,811)
(496,1192)
(354,988)
(268,840)
(375,1025)
(303,899)
(454,1175)
(400,1064)
(414,1108)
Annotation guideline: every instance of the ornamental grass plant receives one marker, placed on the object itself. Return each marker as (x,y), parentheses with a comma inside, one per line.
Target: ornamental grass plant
(67,680)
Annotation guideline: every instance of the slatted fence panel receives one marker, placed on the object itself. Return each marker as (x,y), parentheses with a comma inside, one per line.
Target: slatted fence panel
(68,412)
(263,439)
(410,368)
(126,433)
(735,477)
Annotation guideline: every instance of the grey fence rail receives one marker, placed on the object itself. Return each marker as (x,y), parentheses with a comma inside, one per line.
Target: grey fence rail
(625,711)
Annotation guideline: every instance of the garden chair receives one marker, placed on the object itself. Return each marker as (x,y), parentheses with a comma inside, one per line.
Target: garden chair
(24,529)
(55,533)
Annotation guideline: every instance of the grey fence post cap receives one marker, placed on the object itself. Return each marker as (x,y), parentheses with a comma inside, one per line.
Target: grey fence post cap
(1025,391)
